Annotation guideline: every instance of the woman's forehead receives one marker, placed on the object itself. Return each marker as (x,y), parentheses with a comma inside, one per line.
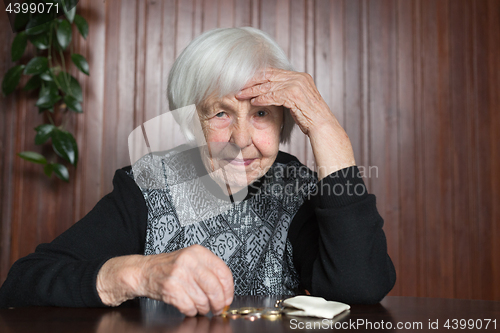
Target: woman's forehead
(231,103)
(228,102)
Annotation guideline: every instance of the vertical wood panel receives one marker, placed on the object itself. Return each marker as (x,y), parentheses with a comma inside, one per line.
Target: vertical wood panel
(431,125)
(210,14)
(140,53)
(154,57)
(282,22)
(126,82)
(268,17)
(419,148)
(322,50)
(110,106)
(184,21)
(25,232)
(383,119)
(297,55)
(255,19)
(445,221)
(407,246)
(242,13)
(226,14)
(472,126)
(494,83)
(197,17)
(437,160)
(168,58)
(7,121)
(93,86)
(353,78)
(414,82)
(483,144)
(462,153)
(337,61)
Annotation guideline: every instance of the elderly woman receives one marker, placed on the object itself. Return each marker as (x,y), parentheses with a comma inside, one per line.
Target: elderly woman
(272,226)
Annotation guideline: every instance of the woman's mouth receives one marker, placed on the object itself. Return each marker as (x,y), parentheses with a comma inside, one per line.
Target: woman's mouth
(238,161)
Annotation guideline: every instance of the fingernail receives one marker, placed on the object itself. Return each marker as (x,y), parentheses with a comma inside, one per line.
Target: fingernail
(252,100)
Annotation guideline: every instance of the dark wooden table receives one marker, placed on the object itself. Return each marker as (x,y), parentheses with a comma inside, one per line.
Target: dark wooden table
(416,314)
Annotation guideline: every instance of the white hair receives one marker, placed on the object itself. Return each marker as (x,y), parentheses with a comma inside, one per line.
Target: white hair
(222,61)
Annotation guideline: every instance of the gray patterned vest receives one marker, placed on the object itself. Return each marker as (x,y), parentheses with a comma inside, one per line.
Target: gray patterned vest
(250,236)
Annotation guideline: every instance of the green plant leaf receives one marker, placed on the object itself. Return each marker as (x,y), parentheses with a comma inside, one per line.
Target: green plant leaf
(19,45)
(80,62)
(11,79)
(37,65)
(38,24)
(33,83)
(41,41)
(21,20)
(72,103)
(32,157)
(47,101)
(43,133)
(49,87)
(82,26)
(74,89)
(64,34)
(70,14)
(61,171)
(47,169)
(49,95)
(46,76)
(64,145)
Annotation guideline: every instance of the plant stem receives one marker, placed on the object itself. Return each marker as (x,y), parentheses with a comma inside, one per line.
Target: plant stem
(49,55)
(50,118)
(65,71)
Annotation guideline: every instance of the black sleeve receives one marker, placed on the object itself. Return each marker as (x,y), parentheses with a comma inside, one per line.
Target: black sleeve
(339,247)
(64,272)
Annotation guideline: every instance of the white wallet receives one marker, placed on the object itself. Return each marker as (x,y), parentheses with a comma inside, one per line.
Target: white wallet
(311,306)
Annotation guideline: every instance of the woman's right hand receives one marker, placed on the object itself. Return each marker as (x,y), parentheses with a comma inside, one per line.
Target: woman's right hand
(192,279)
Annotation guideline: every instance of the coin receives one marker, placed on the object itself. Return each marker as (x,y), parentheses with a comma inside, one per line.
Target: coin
(233,316)
(246,310)
(252,316)
(256,314)
(271,315)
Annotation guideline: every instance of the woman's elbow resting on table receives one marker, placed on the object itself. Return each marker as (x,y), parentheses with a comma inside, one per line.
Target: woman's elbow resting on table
(364,288)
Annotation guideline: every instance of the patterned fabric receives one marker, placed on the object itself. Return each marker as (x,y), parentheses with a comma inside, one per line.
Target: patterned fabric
(250,236)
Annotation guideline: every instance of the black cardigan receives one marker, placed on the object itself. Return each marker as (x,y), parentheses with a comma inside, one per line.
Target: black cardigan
(339,247)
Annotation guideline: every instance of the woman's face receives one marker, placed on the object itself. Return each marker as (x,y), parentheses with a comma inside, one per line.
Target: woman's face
(243,140)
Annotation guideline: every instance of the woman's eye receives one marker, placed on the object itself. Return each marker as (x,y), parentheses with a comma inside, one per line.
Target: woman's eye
(220,114)
(261,113)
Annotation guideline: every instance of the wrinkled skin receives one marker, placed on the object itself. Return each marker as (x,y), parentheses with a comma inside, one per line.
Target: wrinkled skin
(243,140)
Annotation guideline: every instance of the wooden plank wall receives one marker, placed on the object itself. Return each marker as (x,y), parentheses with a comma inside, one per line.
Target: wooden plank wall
(414,82)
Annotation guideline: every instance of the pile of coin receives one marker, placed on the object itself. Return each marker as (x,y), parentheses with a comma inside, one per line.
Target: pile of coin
(252,314)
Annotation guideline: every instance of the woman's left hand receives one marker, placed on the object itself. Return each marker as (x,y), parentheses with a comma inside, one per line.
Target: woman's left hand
(296,91)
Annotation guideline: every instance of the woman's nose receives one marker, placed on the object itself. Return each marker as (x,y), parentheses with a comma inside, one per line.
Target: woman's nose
(241,135)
